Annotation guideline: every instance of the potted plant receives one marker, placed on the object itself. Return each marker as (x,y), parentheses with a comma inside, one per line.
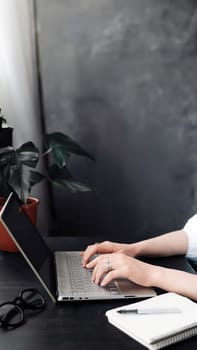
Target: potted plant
(18,169)
(5,132)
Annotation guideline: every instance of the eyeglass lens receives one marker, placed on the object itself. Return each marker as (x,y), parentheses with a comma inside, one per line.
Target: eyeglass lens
(11,315)
(33,298)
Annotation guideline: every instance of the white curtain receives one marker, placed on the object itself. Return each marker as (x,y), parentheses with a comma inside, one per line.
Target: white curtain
(18,79)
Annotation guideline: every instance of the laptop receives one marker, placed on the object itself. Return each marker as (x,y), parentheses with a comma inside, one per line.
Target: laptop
(60,272)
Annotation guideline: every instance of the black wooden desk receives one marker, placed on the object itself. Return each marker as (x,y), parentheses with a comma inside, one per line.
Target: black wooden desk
(72,326)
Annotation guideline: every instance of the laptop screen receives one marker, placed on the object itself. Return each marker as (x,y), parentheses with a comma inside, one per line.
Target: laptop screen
(29,241)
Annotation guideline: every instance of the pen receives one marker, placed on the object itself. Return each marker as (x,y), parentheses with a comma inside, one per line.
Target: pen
(149,311)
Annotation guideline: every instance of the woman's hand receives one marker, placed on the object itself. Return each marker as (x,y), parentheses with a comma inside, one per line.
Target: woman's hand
(104,248)
(108,267)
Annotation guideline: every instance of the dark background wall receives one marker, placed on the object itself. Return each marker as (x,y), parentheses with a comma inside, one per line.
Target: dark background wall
(120,76)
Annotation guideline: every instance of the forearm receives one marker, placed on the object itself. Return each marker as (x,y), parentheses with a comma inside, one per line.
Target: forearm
(173,243)
(173,281)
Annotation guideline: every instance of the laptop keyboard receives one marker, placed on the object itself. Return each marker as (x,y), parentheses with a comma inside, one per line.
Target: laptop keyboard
(69,265)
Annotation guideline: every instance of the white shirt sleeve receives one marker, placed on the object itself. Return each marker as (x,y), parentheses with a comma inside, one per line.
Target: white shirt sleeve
(191,230)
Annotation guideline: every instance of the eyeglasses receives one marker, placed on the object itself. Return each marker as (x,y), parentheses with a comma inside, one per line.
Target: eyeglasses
(12,312)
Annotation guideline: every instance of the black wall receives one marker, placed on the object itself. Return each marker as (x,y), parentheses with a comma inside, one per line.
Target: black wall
(120,76)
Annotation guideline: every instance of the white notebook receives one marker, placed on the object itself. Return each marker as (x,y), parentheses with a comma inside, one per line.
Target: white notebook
(153,330)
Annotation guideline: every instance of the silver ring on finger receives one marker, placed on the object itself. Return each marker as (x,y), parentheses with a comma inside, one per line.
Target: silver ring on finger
(109,265)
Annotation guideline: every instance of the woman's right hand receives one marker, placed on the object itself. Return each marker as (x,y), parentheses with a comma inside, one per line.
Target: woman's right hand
(105,247)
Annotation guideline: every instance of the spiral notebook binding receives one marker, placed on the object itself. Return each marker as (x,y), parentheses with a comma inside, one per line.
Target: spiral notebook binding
(187,333)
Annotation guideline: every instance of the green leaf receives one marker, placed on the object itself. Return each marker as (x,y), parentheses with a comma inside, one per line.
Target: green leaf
(55,172)
(22,178)
(28,154)
(72,185)
(35,177)
(19,181)
(7,155)
(62,146)
(59,155)
(62,177)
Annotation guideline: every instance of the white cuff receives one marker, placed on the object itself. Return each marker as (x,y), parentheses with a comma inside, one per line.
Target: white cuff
(191,230)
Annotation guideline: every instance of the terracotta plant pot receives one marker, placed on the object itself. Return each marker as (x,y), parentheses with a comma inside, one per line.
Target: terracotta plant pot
(6,242)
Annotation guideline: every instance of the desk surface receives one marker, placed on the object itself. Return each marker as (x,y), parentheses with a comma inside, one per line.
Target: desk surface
(73,325)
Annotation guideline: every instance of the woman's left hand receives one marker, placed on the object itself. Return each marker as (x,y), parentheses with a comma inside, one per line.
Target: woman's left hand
(108,267)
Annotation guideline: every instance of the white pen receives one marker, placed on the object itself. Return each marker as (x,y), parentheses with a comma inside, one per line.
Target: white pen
(149,311)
